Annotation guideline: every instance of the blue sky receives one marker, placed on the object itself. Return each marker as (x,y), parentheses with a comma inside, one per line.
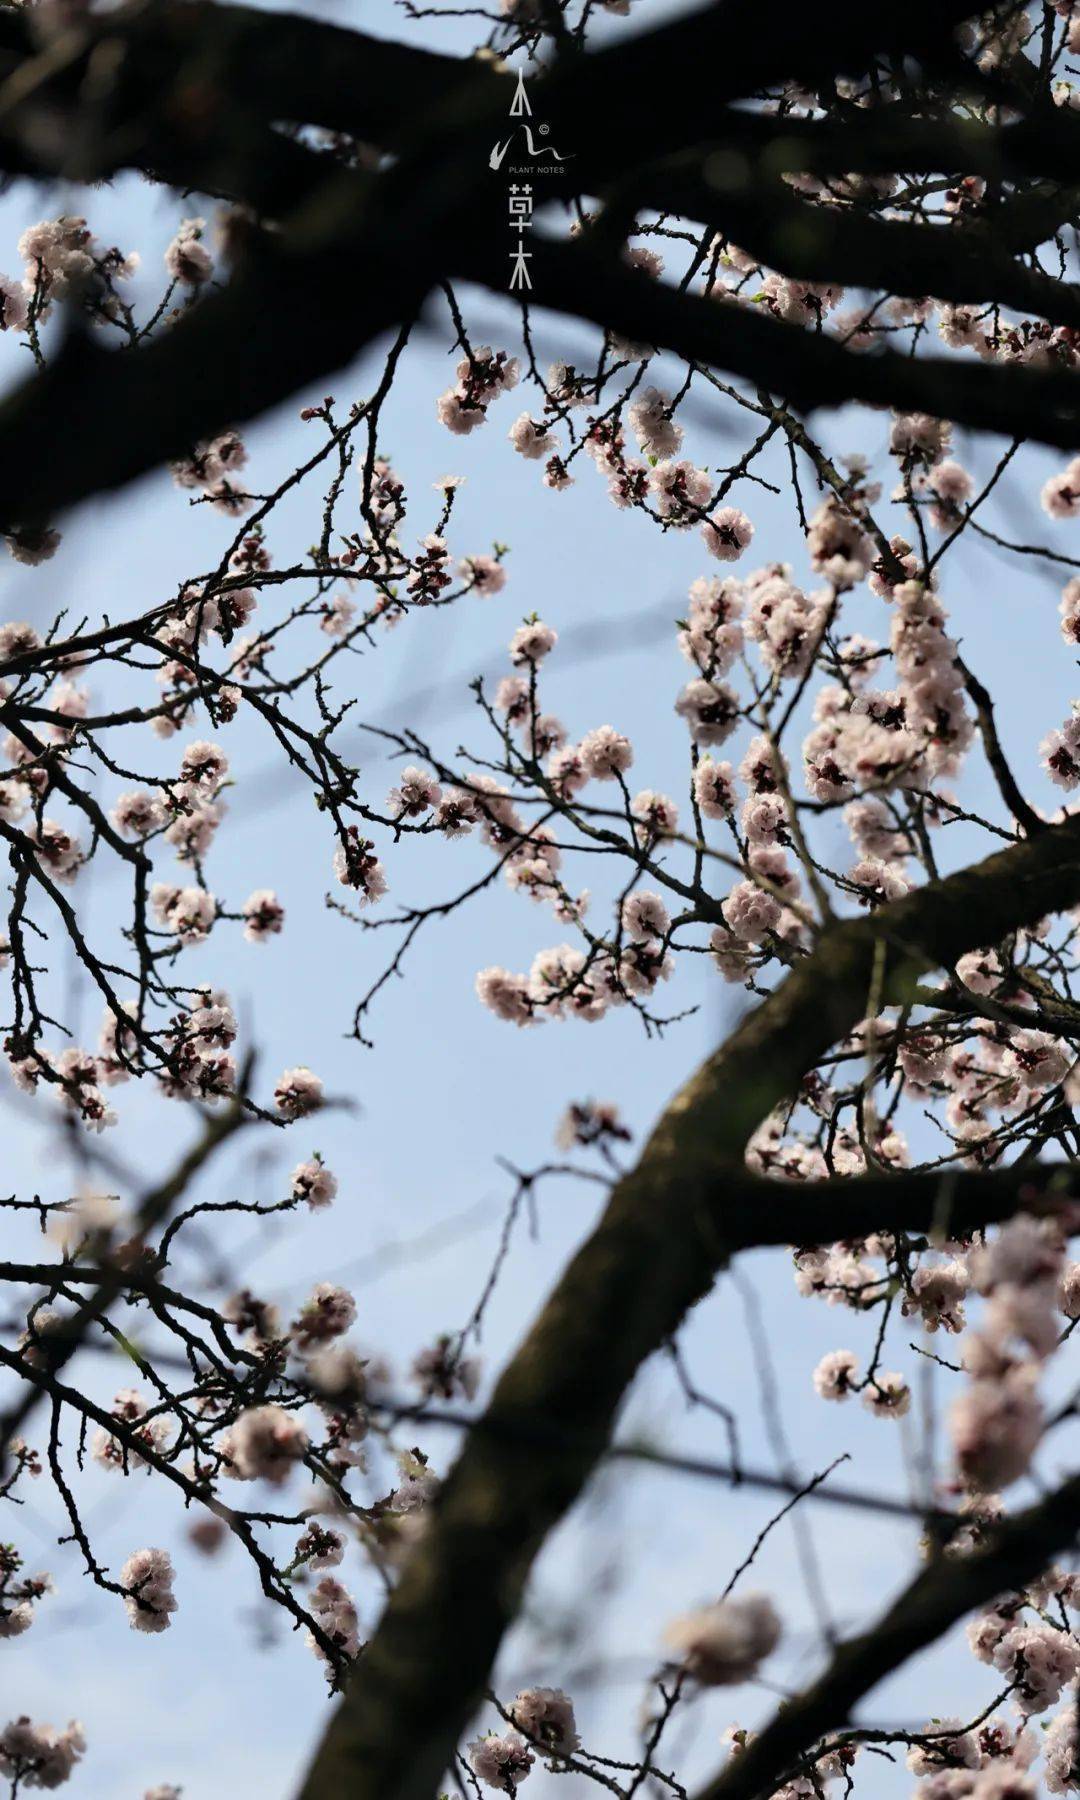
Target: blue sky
(448,1089)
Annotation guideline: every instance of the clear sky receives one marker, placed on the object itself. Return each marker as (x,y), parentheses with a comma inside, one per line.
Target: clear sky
(218,1703)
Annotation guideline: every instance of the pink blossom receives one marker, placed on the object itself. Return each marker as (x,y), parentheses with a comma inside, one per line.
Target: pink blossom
(456,813)
(1025,1252)
(628,480)
(356,866)
(838,546)
(267,1441)
(484,575)
(148,1576)
(297,1092)
(799,302)
(981,971)
(137,814)
(327,1314)
(878,882)
(764,819)
(657,815)
(960,328)
(193,829)
(416,793)
(1060,752)
(204,765)
(605,753)
(335,1609)
(460,415)
(531,642)
(656,431)
(645,916)
(679,491)
(589,1122)
(501,1762)
(835,1374)
(338,614)
(58,849)
(31,545)
(711,710)
(996,1425)
(1039,1060)
(918,439)
(546,1716)
(264,915)
(567,772)
(712,636)
(313,1182)
(506,995)
(724,1644)
(558,983)
(947,1746)
(442,1370)
(418,1485)
(1070,611)
(13,308)
(727,534)
(320,1548)
(714,788)
(531,439)
(1041,1659)
(188,912)
(1069,1291)
(39,1755)
(1061,1750)
(887,1394)
(1061,494)
(187,259)
(71,702)
(750,912)
(953,488)
(18,640)
(486,373)
(122,1454)
(937,1294)
(58,252)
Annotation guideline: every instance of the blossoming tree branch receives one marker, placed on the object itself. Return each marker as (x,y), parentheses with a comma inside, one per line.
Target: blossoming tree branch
(755,227)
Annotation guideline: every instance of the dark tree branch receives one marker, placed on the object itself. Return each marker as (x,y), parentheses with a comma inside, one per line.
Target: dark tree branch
(810,369)
(153,1207)
(835,244)
(429,216)
(655,1253)
(1019,1548)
